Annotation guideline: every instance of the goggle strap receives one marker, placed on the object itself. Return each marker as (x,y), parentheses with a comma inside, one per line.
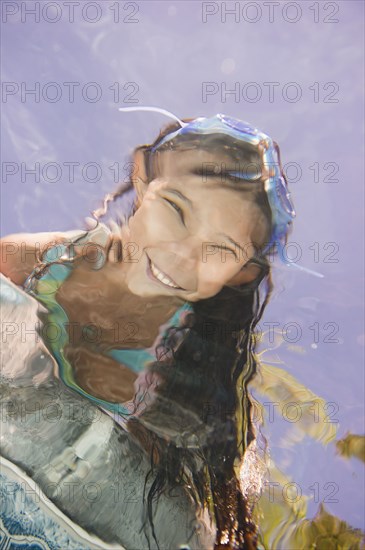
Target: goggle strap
(154,110)
(288,263)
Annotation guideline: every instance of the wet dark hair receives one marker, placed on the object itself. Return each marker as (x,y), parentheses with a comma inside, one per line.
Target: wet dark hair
(198,427)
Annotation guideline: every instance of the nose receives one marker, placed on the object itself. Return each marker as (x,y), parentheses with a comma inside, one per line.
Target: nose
(185,254)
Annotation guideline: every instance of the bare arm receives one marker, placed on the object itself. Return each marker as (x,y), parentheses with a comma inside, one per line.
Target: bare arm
(20,252)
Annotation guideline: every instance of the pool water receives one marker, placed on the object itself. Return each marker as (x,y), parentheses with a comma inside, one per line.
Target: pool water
(62,153)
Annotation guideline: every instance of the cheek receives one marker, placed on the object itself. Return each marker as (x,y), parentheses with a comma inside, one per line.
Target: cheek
(212,277)
(152,222)
(142,223)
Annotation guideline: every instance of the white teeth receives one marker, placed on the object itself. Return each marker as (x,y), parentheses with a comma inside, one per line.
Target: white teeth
(161,276)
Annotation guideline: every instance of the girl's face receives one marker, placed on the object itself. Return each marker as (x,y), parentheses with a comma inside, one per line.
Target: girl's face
(191,234)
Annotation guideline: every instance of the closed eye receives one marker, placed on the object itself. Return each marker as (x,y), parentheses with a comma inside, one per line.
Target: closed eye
(177,208)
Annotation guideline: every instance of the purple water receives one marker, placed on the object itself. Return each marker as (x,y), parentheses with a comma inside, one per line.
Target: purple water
(297,72)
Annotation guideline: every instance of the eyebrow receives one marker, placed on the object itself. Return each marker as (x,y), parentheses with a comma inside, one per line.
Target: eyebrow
(226,175)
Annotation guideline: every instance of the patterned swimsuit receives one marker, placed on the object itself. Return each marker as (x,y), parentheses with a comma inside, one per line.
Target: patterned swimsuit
(70,479)
(135,359)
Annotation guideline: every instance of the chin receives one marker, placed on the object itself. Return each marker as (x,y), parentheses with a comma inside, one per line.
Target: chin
(140,290)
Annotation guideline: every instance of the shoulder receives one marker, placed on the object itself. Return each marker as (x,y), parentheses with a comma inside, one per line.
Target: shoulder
(21,252)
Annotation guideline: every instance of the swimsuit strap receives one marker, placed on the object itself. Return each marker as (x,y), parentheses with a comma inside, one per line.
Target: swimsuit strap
(136,358)
(57,320)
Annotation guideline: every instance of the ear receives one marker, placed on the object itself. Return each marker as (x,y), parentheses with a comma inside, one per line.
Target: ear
(247,274)
(139,175)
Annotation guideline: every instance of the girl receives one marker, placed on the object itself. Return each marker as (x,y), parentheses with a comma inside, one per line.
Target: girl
(150,317)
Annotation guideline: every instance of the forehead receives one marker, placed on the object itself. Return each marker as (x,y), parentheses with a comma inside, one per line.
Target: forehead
(184,157)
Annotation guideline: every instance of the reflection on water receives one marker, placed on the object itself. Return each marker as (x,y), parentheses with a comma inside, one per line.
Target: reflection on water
(281,510)
(280,500)
(352,445)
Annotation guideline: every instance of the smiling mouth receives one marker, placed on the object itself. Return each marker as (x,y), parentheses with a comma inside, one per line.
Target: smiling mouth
(157,275)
